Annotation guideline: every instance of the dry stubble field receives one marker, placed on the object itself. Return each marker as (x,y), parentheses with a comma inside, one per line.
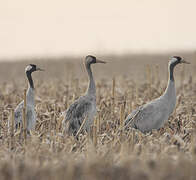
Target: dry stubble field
(123,84)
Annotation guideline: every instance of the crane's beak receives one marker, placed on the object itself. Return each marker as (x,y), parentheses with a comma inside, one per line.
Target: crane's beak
(183,61)
(99,61)
(39,69)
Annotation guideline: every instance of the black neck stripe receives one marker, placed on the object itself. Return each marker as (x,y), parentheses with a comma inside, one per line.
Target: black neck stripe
(28,73)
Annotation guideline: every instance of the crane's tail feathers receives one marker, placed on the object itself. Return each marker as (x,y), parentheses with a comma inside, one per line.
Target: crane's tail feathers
(82,125)
(130,122)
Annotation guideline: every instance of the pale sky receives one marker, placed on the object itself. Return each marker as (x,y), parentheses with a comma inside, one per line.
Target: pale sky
(75,27)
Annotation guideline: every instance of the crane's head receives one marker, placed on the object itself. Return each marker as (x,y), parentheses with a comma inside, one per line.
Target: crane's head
(177,60)
(92,60)
(32,68)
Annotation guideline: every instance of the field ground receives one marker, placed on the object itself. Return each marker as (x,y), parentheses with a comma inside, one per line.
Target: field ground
(109,153)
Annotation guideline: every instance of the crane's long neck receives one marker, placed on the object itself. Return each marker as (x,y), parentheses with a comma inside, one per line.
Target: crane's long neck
(170,92)
(171,71)
(91,87)
(29,77)
(30,91)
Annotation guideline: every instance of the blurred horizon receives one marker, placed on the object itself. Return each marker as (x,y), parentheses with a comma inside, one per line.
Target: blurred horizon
(129,55)
(76,28)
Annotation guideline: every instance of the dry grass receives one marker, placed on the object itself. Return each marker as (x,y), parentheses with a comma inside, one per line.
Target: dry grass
(109,152)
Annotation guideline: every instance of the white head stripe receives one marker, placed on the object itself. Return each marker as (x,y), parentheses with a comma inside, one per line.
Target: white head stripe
(28,68)
(173,60)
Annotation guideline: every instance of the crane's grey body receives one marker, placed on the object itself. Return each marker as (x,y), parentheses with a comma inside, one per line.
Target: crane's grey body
(154,114)
(30,110)
(30,106)
(83,108)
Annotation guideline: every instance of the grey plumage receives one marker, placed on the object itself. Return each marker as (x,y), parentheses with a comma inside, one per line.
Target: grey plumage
(30,108)
(83,108)
(154,114)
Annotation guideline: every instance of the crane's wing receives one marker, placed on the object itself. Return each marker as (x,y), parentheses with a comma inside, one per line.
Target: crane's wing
(140,118)
(18,113)
(76,113)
